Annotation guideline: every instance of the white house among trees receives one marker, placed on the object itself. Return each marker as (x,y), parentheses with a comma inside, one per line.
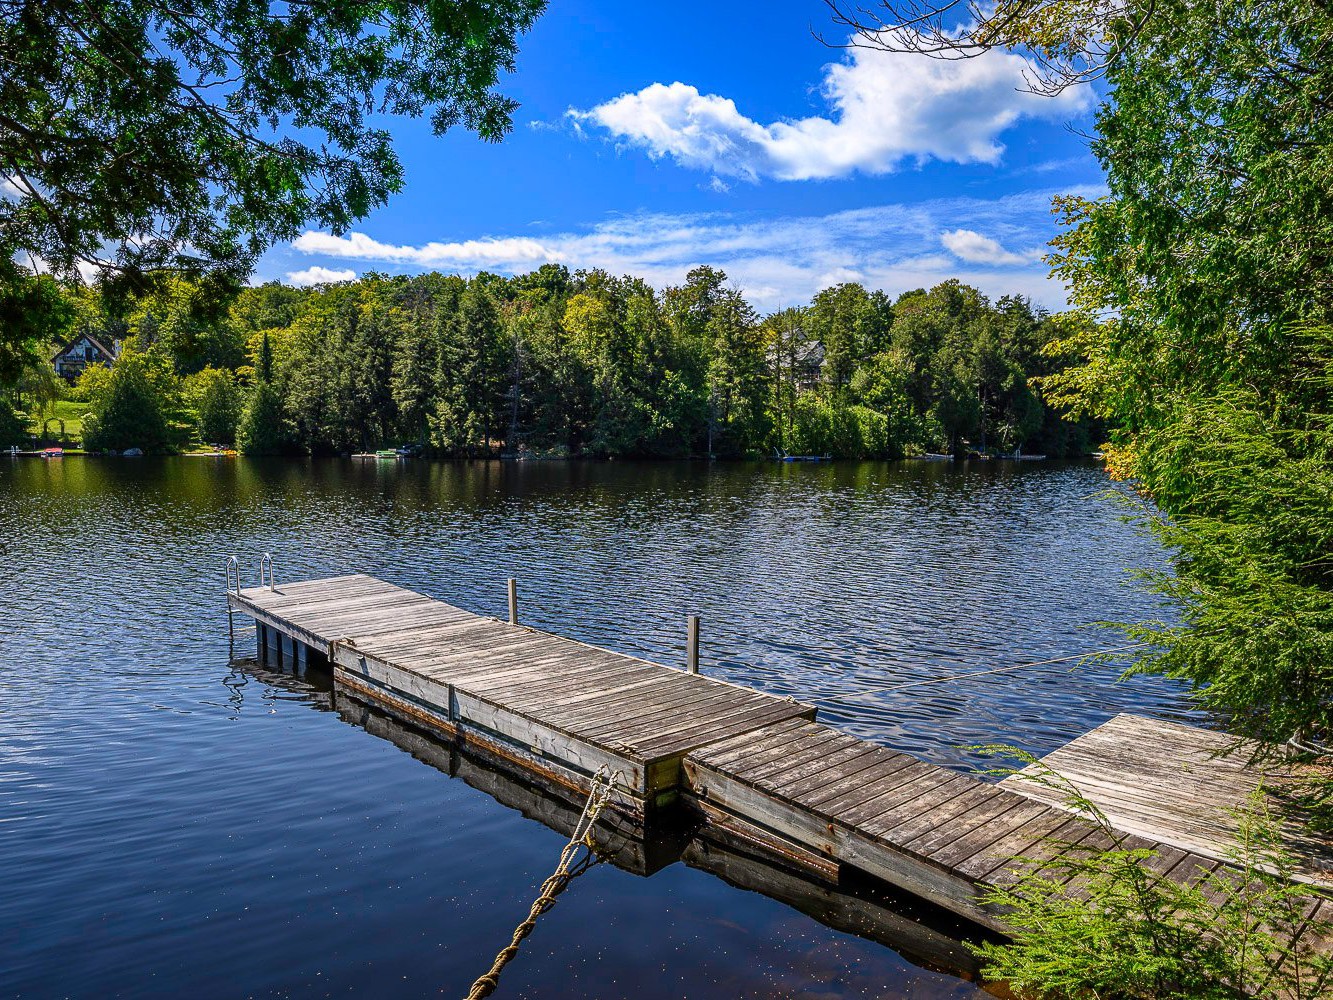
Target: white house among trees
(81,351)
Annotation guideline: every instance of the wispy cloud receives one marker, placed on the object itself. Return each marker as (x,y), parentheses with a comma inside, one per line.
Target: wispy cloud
(319,276)
(1065,163)
(883,109)
(777,261)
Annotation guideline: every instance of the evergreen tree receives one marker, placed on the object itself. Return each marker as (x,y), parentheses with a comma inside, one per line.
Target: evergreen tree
(852,326)
(371,411)
(789,354)
(470,372)
(217,403)
(263,426)
(130,413)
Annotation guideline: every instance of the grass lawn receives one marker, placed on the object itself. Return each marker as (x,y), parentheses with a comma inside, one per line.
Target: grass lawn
(68,411)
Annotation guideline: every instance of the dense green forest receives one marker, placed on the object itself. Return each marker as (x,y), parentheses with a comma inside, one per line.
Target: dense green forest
(557,363)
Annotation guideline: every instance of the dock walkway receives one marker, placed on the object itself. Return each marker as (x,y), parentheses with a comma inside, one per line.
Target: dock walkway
(1179,785)
(754,764)
(562,708)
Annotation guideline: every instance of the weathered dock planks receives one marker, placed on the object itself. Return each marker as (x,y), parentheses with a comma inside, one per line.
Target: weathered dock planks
(758,768)
(947,837)
(553,704)
(1171,783)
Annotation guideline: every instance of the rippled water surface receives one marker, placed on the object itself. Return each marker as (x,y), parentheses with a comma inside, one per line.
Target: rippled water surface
(175,824)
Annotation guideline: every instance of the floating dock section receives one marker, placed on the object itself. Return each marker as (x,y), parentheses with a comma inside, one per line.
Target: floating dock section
(552,705)
(758,766)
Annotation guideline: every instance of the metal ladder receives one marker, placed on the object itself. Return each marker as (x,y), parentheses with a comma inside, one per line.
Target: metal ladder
(232,567)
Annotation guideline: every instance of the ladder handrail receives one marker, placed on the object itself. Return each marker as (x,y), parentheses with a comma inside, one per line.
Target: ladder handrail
(266,560)
(233,566)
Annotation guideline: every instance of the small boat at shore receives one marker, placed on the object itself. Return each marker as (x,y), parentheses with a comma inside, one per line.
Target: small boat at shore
(782,456)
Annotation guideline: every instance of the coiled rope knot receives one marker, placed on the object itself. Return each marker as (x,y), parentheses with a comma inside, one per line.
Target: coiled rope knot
(565,872)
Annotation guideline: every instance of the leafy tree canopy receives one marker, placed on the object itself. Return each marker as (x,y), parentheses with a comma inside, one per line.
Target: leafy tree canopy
(34,314)
(128,408)
(1203,280)
(140,135)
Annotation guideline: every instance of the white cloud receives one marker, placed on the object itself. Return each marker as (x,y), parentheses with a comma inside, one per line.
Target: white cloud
(319,276)
(971,246)
(9,189)
(777,261)
(883,108)
(468,254)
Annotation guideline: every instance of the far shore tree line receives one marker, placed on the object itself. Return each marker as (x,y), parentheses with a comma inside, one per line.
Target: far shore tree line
(555,363)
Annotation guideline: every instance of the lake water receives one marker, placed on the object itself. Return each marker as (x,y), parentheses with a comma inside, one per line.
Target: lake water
(173,823)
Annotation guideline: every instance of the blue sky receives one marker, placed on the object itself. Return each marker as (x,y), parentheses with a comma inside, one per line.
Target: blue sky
(652,138)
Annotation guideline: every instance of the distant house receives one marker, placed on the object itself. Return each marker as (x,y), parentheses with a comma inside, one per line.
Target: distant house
(809,366)
(801,364)
(83,350)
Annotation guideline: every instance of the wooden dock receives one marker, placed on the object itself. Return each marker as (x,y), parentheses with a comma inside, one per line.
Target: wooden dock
(1179,785)
(552,705)
(753,765)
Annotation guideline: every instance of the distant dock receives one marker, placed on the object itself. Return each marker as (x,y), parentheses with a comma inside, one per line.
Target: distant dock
(758,766)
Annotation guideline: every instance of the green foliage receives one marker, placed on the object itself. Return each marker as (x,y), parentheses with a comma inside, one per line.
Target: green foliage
(94,383)
(263,428)
(1208,263)
(586,363)
(13,427)
(1252,531)
(1104,922)
(824,427)
(469,370)
(216,400)
(416,358)
(192,137)
(34,315)
(852,324)
(173,316)
(128,408)
(736,376)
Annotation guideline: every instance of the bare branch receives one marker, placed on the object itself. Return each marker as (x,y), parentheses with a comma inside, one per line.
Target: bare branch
(1068,42)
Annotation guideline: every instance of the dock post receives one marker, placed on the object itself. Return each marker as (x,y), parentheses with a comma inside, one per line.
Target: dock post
(513,601)
(261,640)
(692,644)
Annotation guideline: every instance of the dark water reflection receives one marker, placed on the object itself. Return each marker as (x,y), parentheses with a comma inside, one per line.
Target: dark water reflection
(171,825)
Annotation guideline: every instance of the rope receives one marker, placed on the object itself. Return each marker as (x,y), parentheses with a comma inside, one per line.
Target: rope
(565,872)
